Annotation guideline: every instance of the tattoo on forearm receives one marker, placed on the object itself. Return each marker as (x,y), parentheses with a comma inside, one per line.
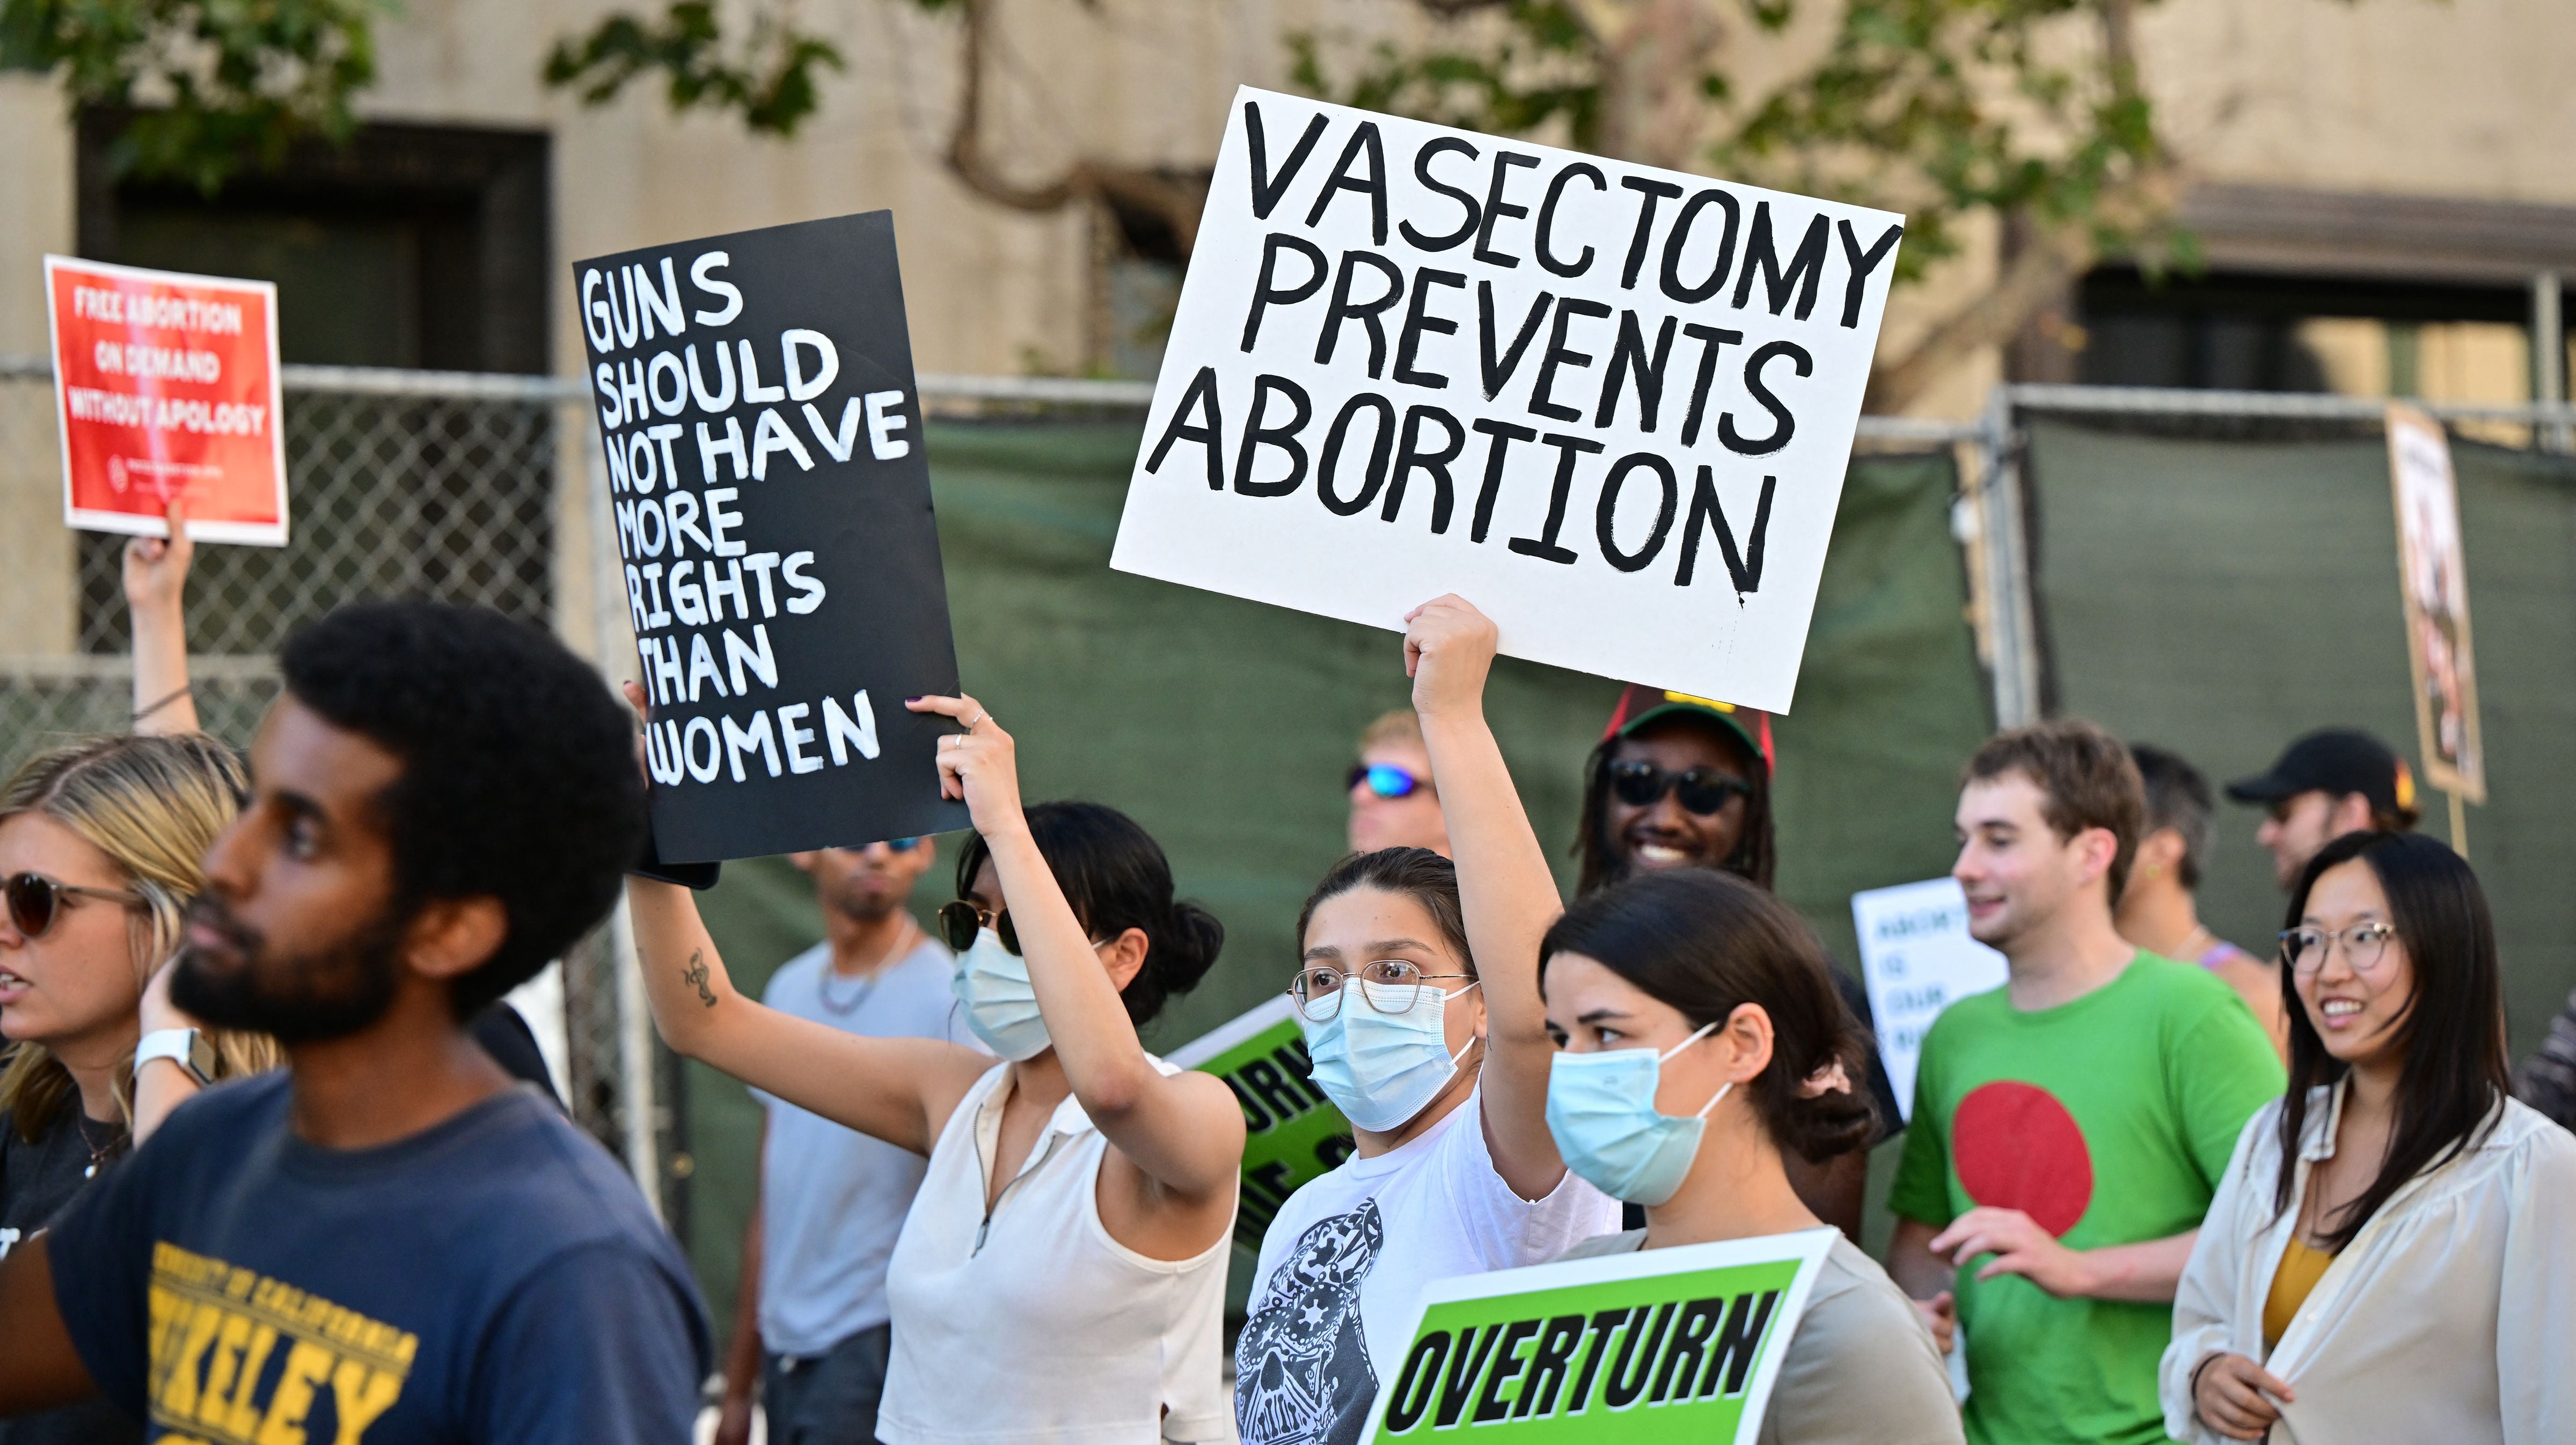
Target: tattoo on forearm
(696,974)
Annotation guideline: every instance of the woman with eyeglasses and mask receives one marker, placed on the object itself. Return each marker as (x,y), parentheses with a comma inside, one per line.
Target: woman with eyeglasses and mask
(1704,1044)
(1061,1273)
(1440,1066)
(2391,1255)
(1685,782)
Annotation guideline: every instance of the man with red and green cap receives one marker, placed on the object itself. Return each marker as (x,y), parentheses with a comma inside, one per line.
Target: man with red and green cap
(1678,782)
(1685,782)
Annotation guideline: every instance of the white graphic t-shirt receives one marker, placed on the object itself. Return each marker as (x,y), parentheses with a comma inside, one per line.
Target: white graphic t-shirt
(1344,1263)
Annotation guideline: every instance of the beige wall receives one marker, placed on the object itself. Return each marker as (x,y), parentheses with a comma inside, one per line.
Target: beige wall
(2464,99)
(35,550)
(2467,99)
(988,290)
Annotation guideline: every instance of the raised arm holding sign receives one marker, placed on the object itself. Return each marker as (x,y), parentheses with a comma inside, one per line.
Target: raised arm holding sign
(1611,403)
(1062,1269)
(1422,1019)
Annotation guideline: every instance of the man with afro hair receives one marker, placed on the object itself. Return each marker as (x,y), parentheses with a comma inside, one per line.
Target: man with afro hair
(387,1240)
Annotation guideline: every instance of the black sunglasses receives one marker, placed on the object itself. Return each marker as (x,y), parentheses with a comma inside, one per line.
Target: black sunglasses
(1703,791)
(960,921)
(35,901)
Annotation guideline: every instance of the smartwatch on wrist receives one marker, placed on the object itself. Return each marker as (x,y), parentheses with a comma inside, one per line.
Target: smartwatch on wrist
(187,1048)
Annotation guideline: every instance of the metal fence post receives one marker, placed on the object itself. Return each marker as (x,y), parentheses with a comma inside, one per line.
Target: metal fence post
(637,1099)
(2549,357)
(2009,615)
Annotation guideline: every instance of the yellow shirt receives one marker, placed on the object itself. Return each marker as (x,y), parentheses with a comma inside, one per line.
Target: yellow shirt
(2301,1268)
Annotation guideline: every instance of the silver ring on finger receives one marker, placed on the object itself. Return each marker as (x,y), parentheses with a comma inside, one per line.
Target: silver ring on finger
(978,719)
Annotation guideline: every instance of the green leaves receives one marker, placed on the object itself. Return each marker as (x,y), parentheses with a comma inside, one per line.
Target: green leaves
(770,79)
(1940,109)
(1541,72)
(211,86)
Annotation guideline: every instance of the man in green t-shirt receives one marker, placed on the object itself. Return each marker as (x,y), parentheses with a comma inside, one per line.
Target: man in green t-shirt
(2070,1127)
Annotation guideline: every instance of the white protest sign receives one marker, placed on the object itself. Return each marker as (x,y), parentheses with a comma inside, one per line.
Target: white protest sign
(1917,958)
(1610,405)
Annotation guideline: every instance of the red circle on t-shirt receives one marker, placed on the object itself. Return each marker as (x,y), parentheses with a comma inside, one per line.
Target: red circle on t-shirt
(2018,1148)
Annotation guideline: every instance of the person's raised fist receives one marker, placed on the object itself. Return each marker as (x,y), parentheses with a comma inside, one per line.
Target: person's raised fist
(1448,649)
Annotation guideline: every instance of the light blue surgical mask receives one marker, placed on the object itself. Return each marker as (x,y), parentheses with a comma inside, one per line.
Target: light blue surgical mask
(1001,1007)
(1381,1069)
(1601,1108)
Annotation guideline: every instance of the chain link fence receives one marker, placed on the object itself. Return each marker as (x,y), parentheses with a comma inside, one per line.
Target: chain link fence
(400,484)
(462,487)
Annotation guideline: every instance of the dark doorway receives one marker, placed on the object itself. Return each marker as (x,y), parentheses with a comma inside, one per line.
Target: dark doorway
(2243,332)
(411,246)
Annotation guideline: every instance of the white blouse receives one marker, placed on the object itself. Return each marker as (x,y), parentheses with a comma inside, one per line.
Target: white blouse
(2451,1317)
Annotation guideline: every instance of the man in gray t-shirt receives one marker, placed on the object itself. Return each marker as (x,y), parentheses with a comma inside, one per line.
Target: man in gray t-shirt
(811,1325)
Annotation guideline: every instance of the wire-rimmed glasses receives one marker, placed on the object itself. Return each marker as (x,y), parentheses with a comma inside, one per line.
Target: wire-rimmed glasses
(2365,946)
(1389,985)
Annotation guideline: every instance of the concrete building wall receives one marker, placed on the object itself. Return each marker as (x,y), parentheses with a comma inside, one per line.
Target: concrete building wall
(2461,100)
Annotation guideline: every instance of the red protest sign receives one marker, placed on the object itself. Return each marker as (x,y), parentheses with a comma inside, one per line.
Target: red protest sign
(165,387)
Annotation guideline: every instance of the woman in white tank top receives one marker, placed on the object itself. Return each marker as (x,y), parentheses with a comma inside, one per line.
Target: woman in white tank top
(1061,1275)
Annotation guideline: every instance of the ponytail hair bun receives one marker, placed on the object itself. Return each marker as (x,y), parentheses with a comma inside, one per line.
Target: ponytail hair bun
(1706,942)
(1116,877)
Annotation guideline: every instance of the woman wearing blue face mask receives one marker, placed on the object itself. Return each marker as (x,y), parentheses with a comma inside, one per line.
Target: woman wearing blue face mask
(1061,1274)
(1703,1042)
(1441,1068)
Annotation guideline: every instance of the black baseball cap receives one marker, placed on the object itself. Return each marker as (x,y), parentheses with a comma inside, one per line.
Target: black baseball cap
(2336,761)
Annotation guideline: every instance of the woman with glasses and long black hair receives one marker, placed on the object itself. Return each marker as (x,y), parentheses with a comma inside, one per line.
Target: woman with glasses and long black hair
(1440,1066)
(1061,1273)
(2389,1255)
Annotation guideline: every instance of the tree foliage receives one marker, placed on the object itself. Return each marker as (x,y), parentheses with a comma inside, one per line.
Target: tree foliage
(769,79)
(206,87)
(2025,111)
(2030,111)
(1941,109)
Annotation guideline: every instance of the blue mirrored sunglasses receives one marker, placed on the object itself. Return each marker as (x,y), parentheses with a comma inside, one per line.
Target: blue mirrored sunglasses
(1384,779)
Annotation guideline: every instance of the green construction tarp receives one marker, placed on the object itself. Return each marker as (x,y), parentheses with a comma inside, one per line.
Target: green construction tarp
(2221,597)
(1225,727)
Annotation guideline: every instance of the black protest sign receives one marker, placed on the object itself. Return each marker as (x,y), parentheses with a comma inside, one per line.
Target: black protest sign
(772,513)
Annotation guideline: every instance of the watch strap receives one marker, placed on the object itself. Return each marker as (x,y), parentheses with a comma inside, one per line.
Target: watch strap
(185,1047)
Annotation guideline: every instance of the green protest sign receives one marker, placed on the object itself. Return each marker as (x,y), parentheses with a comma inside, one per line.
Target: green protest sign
(1667,1344)
(1292,1133)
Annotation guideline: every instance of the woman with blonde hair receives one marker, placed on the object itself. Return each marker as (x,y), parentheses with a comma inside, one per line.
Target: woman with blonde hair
(100,848)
